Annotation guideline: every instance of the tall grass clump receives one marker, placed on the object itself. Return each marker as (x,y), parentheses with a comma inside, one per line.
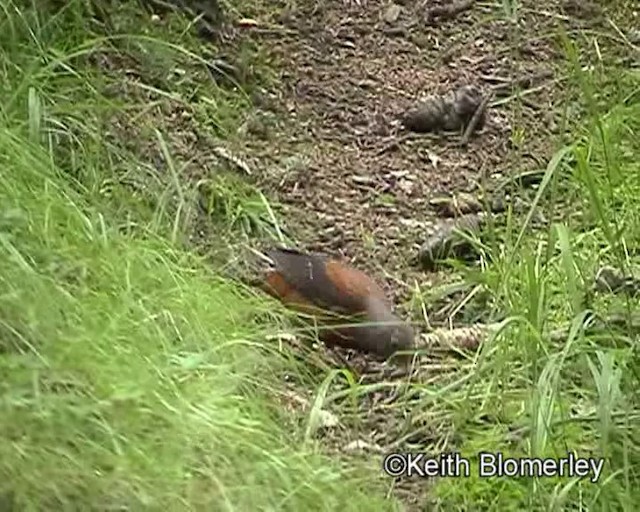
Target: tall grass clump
(562,376)
(133,378)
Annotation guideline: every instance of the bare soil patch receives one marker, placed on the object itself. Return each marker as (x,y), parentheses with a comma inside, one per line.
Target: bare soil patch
(325,142)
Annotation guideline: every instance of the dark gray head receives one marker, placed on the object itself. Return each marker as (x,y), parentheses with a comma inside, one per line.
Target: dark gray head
(385,333)
(398,337)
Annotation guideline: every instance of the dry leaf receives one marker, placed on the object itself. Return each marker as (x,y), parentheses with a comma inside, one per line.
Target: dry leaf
(360,445)
(247,23)
(328,419)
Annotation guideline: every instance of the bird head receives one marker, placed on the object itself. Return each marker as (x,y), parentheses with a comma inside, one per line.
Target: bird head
(397,336)
(388,334)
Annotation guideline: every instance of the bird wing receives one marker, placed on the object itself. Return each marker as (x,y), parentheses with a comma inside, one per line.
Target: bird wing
(325,282)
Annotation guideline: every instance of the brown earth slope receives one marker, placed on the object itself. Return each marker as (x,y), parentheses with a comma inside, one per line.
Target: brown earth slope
(352,181)
(325,141)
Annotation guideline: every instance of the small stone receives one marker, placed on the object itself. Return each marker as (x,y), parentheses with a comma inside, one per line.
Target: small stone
(392,13)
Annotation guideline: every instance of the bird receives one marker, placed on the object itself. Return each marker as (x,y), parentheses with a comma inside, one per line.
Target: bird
(335,293)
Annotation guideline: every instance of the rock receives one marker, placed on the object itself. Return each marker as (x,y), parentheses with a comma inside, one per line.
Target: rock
(445,241)
(392,13)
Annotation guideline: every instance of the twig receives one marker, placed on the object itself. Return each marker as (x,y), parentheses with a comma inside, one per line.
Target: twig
(475,119)
(447,11)
(522,82)
(395,143)
(232,159)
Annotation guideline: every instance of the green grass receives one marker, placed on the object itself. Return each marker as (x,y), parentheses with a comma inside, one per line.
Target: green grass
(135,377)
(532,392)
(132,376)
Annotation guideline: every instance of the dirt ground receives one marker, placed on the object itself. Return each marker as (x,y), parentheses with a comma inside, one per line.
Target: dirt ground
(326,143)
(353,182)
(356,185)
